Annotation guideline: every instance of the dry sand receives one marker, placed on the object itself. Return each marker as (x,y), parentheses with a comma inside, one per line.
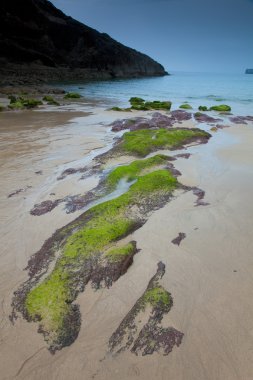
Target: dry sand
(209,275)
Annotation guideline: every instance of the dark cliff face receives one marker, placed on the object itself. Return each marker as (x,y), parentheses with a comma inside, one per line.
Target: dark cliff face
(35,33)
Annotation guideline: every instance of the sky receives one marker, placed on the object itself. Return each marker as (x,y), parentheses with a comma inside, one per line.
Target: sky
(183,35)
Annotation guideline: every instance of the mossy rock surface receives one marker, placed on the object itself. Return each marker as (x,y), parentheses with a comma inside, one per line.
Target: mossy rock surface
(72,95)
(186,106)
(140,104)
(21,103)
(221,108)
(116,254)
(145,141)
(135,100)
(157,296)
(50,100)
(89,249)
(50,302)
(120,109)
(203,108)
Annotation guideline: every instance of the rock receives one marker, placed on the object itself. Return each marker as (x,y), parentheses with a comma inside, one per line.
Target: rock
(221,108)
(186,106)
(180,115)
(203,108)
(203,118)
(249,71)
(241,119)
(179,238)
(39,43)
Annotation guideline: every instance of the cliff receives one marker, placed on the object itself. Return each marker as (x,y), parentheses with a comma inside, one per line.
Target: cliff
(39,42)
(249,71)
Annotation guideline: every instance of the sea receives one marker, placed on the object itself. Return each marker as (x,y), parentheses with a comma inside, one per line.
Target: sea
(197,89)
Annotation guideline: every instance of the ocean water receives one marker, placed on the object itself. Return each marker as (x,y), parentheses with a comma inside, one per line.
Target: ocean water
(197,89)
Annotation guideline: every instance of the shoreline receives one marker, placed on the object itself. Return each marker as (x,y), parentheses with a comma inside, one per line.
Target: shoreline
(192,174)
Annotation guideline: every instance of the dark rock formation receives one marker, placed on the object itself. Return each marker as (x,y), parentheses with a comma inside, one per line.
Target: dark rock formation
(179,238)
(39,42)
(249,71)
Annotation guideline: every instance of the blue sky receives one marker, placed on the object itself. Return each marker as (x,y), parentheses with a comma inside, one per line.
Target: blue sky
(183,35)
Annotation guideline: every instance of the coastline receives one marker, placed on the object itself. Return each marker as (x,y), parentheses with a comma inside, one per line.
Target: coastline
(193,259)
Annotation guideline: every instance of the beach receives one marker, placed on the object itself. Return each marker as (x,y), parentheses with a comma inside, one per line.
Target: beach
(208,274)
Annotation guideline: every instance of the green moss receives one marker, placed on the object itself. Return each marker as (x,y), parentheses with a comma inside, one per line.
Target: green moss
(157,105)
(50,100)
(157,296)
(107,222)
(31,103)
(145,141)
(135,100)
(120,109)
(140,107)
(21,103)
(16,106)
(116,254)
(72,95)
(139,104)
(203,108)
(132,171)
(221,108)
(186,106)
(12,99)
(198,114)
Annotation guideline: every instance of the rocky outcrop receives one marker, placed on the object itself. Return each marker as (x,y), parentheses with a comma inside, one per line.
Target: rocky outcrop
(39,42)
(249,71)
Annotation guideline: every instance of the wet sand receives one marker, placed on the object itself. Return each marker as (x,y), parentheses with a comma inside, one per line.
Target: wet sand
(209,275)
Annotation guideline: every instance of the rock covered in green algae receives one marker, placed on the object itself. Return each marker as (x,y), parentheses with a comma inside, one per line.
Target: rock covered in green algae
(50,100)
(72,95)
(140,104)
(152,336)
(87,249)
(186,106)
(145,141)
(220,108)
(203,108)
(22,103)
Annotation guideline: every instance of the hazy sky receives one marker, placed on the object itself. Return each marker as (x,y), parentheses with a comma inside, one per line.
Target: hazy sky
(183,35)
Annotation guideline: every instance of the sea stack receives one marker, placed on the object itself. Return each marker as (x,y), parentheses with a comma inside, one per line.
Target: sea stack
(38,42)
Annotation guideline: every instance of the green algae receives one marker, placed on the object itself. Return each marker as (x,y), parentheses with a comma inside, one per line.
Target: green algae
(116,254)
(50,301)
(186,106)
(120,109)
(139,104)
(50,100)
(221,108)
(20,103)
(135,100)
(157,296)
(72,95)
(145,141)
(88,243)
(203,108)
(132,171)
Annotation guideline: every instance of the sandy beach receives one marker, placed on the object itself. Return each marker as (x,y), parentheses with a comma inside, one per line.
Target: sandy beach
(209,275)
